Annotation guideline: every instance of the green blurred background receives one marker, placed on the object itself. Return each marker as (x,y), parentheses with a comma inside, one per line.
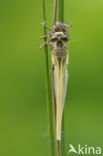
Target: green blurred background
(23,111)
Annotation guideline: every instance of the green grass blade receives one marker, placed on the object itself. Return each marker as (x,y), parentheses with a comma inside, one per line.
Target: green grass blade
(48,92)
(61,11)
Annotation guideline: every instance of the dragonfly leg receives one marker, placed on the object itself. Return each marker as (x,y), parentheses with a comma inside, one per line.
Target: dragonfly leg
(68,26)
(45,44)
(44,24)
(47,35)
(68,36)
(44,36)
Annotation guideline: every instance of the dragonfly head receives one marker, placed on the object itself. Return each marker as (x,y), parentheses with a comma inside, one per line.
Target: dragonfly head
(59,27)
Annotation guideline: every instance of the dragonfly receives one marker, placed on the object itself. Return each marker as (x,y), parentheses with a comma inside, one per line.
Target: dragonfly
(58,38)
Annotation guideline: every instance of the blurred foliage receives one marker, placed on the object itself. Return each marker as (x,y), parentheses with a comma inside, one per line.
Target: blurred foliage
(23,114)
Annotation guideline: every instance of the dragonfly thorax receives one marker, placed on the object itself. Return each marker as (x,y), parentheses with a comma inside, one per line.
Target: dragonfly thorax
(59,36)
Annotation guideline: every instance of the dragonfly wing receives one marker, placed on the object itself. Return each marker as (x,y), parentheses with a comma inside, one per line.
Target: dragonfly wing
(65,82)
(59,99)
(60,86)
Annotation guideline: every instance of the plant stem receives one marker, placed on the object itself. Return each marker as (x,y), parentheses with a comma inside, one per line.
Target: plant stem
(63,138)
(61,19)
(54,11)
(53,94)
(48,91)
(61,11)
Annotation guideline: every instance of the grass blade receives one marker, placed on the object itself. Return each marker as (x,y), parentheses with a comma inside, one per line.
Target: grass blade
(48,92)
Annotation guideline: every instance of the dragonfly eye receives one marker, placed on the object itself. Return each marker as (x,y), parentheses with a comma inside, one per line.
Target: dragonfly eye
(60,29)
(54,38)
